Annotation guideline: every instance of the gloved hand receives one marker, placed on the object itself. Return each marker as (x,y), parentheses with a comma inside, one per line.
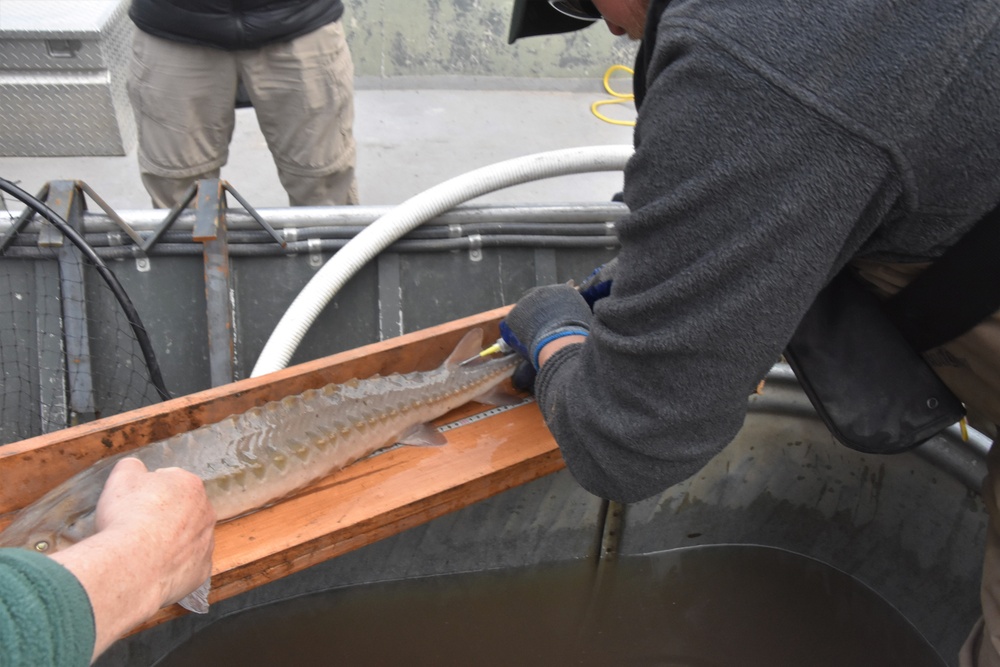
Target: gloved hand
(543,315)
(598,284)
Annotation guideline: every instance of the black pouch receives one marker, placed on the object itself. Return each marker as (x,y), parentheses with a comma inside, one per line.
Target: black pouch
(870,386)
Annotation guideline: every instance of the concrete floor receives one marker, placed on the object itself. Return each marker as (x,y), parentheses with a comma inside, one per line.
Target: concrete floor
(408,141)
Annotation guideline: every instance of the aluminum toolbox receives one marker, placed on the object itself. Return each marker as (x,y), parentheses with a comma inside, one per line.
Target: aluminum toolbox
(62,78)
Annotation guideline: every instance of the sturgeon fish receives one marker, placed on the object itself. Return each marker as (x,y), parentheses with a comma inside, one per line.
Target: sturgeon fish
(252,459)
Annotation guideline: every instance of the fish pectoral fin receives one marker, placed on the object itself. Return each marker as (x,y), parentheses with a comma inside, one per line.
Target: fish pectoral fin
(197,600)
(423,435)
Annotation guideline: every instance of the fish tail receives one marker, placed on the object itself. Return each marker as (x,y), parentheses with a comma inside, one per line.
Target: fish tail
(197,600)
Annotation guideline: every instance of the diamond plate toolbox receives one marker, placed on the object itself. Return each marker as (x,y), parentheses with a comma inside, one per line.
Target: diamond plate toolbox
(62,78)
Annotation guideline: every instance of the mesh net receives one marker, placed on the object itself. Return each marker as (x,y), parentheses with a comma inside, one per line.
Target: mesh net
(68,353)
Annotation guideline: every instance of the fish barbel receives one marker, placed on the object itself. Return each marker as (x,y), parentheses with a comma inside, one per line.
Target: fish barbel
(254,458)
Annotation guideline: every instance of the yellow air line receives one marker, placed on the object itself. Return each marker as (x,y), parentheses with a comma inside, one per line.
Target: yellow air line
(617,97)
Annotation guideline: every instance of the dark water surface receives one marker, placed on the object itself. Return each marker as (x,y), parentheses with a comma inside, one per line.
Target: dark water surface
(714,606)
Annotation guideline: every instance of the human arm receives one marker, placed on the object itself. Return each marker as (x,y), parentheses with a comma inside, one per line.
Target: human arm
(45,616)
(744,201)
(550,349)
(153,545)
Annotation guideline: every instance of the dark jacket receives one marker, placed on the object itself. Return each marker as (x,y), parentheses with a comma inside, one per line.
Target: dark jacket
(233,24)
(776,142)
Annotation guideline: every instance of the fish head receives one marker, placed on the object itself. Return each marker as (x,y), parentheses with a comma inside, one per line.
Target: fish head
(49,528)
(57,520)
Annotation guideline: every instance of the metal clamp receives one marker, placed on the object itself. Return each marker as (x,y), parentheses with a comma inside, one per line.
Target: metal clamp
(315,252)
(475,247)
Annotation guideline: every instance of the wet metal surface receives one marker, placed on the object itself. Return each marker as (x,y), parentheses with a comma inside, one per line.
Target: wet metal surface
(900,524)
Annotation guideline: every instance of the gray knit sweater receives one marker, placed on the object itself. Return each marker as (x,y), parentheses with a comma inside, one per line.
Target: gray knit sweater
(777,140)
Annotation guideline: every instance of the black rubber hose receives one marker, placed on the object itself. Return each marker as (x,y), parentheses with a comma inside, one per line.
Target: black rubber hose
(141,336)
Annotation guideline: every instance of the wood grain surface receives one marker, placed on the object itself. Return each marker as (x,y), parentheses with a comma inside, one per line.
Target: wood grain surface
(374,498)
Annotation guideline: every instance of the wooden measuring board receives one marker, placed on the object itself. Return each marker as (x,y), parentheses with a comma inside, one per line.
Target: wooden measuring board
(488,451)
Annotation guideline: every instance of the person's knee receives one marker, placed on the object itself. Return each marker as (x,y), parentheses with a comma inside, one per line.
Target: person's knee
(337,189)
(167,192)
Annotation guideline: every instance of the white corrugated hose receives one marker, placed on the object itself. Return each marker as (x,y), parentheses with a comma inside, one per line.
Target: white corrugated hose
(381,233)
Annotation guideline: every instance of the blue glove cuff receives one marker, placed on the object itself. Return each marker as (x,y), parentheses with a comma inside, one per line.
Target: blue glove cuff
(511,339)
(561,333)
(596,292)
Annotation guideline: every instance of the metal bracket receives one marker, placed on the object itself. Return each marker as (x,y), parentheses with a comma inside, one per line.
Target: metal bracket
(475,247)
(103,205)
(214,189)
(172,216)
(51,238)
(68,201)
(278,238)
(210,230)
(315,252)
(210,216)
(22,221)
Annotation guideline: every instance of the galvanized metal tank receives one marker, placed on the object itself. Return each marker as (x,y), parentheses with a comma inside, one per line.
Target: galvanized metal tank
(910,526)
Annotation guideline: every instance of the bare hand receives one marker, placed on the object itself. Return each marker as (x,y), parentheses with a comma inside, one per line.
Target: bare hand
(167,512)
(153,546)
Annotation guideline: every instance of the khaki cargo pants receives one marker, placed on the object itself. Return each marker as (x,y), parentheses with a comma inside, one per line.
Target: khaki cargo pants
(303,93)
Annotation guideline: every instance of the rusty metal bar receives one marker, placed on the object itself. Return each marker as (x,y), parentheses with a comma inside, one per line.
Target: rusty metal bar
(210,230)
(68,202)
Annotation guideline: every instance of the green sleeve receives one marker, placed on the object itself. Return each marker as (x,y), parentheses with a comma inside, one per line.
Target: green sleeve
(45,614)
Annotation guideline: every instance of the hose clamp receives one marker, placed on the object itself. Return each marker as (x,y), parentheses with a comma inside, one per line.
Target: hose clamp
(315,252)
(475,247)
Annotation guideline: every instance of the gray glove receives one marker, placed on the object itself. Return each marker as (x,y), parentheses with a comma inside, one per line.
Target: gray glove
(543,315)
